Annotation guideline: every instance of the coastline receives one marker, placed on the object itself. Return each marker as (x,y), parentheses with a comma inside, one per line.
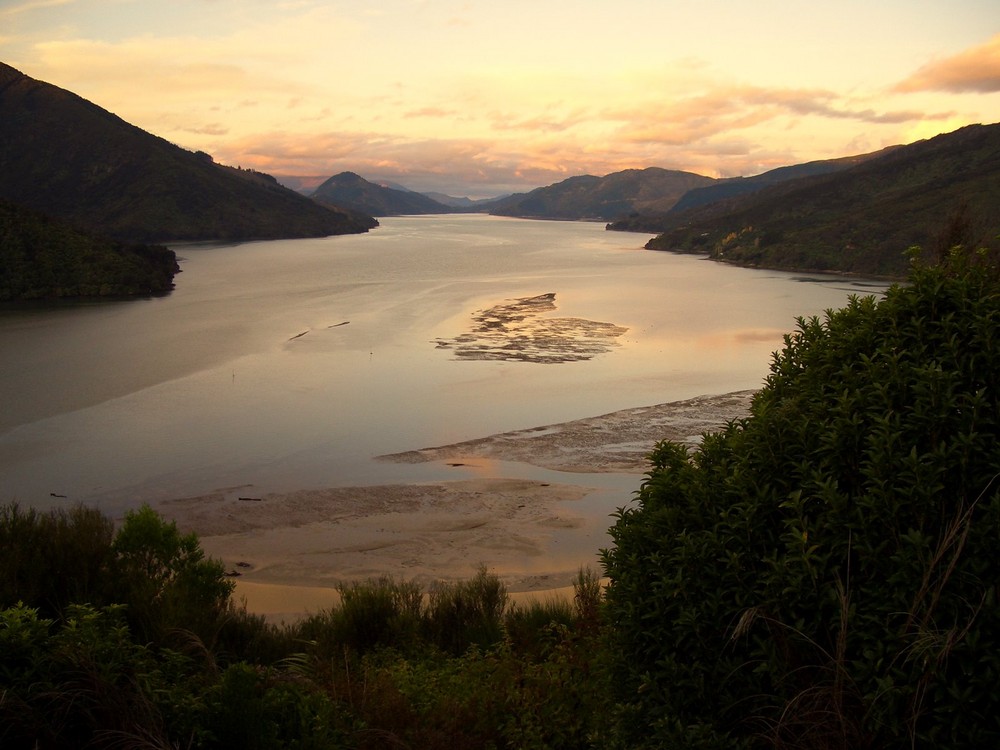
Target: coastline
(289,551)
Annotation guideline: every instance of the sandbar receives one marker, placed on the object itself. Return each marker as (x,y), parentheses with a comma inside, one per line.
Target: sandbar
(288,552)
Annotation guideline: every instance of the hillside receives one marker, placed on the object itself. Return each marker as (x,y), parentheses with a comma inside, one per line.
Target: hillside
(932,193)
(67,157)
(733,187)
(43,258)
(352,191)
(651,190)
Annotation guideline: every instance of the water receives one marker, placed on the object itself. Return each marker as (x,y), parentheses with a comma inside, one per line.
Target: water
(291,364)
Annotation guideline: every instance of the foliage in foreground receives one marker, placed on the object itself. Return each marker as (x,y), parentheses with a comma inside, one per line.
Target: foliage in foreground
(824,573)
(129,639)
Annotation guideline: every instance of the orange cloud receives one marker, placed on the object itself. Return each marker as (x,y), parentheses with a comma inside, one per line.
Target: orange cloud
(432,112)
(977,70)
(734,108)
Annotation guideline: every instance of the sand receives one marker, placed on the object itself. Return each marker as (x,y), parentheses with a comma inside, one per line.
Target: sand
(617,442)
(289,551)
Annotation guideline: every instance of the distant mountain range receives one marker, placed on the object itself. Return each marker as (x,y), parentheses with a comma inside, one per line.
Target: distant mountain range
(651,190)
(353,191)
(67,157)
(467,204)
(732,187)
(350,190)
(933,194)
(98,176)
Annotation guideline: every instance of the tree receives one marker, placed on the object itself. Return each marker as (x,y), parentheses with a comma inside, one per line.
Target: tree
(168,583)
(824,572)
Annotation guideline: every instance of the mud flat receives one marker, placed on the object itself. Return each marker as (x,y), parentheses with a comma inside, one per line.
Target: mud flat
(289,551)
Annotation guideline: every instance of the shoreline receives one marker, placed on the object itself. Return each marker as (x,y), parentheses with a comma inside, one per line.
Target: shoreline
(289,551)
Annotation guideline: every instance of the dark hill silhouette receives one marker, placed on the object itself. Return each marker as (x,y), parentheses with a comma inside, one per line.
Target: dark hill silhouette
(651,190)
(932,193)
(67,157)
(353,191)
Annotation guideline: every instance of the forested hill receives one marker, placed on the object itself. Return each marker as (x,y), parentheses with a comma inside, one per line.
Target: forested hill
(353,191)
(44,258)
(651,190)
(732,187)
(67,157)
(933,194)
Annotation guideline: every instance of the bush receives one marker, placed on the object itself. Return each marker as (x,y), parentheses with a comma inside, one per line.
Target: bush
(167,582)
(824,573)
(81,683)
(53,559)
(467,613)
(378,613)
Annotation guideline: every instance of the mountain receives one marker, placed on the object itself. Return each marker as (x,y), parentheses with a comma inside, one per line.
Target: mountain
(733,187)
(933,194)
(466,204)
(68,158)
(355,192)
(42,257)
(651,190)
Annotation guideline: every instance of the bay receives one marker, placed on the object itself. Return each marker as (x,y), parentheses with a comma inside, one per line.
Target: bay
(292,364)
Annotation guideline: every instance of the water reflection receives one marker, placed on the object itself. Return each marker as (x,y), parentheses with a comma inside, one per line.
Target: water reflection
(291,364)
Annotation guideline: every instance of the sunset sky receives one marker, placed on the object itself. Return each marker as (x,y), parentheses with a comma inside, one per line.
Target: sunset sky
(482,98)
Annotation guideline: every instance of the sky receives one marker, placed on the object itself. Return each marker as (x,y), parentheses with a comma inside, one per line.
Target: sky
(481,98)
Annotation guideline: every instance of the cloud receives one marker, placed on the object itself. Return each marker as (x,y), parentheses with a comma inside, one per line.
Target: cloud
(976,70)
(323,88)
(432,111)
(541,124)
(733,108)
(30,6)
(458,166)
(210,129)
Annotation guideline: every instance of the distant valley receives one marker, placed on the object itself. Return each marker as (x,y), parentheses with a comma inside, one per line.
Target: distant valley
(107,184)
(858,214)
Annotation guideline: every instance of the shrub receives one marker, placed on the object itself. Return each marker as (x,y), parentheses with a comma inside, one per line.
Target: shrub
(167,582)
(80,683)
(467,613)
(378,613)
(824,573)
(254,707)
(527,625)
(53,559)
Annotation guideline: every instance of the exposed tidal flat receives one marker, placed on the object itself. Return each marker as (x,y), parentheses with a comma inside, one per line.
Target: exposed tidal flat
(322,410)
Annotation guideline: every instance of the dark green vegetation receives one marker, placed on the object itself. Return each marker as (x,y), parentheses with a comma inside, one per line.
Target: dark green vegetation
(68,158)
(42,257)
(129,639)
(855,219)
(352,191)
(825,573)
(618,194)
